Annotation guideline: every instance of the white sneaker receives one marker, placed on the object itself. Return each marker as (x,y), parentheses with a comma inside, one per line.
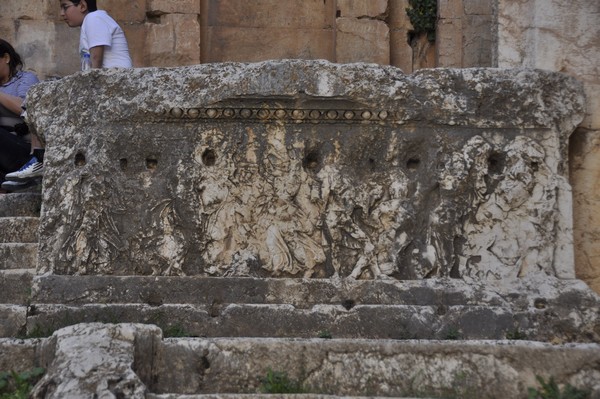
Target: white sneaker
(30,170)
(13,186)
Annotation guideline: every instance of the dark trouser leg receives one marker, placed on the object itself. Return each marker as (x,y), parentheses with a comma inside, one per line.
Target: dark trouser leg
(14,152)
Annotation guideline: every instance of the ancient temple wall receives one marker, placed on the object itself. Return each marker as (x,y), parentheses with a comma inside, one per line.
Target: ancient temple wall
(187,32)
(465,33)
(565,37)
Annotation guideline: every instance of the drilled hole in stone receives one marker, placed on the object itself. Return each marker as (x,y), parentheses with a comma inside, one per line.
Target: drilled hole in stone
(209,157)
(205,362)
(311,160)
(151,163)
(535,166)
(495,163)
(348,304)
(413,163)
(79,159)
(123,163)
(540,303)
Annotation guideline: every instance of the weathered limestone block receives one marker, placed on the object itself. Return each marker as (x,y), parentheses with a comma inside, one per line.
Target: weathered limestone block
(386,368)
(132,11)
(132,360)
(37,41)
(585,177)
(173,41)
(40,9)
(478,7)
(451,9)
(401,53)
(159,7)
(449,46)
(552,40)
(465,33)
(297,14)
(477,41)
(12,320)
(362,40)
(239,44)
(237,30)
(17,355)
(307,168)
(361,9)
(98,360)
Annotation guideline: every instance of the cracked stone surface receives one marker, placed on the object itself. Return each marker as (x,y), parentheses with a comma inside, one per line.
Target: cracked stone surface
(133,360)
(308,169)
(97,360)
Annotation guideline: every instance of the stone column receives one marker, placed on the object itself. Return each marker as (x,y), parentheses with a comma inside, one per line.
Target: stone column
(171,33)
(465,33)
(361,32)
(565,37)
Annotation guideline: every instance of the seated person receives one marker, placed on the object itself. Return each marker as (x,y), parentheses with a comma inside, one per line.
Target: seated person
(104,41)
(15,147)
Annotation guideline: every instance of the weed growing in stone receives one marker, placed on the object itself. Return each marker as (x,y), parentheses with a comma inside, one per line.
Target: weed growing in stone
(452,334)
(515,334)
(551,390)
(325,334)
(423,17)
(279,382)
(39,332)
(175,331)
(15,385)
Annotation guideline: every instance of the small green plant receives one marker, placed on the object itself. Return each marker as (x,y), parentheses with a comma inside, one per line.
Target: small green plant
(15,385)
(279,382)
(325,334)
(175,331)
(423,17)
(551,390)
(452,334)
(39,332)
(515,334)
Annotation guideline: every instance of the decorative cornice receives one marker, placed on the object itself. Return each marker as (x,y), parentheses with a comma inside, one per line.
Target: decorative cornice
(289,115)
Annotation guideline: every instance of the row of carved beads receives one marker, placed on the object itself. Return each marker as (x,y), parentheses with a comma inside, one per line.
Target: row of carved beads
(279,114)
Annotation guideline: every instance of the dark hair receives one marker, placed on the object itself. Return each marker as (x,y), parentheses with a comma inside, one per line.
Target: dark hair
(15,64)
(91,4)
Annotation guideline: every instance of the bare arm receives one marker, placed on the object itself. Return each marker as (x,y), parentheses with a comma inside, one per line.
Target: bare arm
(97,56)
(12,103)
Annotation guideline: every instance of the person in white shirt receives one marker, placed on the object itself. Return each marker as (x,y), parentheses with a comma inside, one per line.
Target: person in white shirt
(101,37)
(103,40)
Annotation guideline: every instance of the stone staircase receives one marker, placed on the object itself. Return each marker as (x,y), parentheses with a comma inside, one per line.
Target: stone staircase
(19,221)
(221,337)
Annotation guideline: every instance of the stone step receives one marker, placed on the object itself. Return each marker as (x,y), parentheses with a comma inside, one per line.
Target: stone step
(218,307)
(306,293)
(398,322)
(13,320)
(15,286)
(227,368)
(18,255)
(272,396)
(481,369)
(20,204)
(19,229)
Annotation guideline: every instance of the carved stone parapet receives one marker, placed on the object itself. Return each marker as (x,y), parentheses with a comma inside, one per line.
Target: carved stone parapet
(307,169)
